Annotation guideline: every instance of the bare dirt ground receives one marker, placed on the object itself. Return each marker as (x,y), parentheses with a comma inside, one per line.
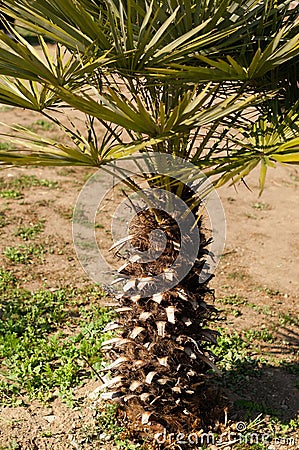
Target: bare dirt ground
(260,265)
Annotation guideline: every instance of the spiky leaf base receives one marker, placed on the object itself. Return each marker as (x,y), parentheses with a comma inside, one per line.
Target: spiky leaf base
(160,357)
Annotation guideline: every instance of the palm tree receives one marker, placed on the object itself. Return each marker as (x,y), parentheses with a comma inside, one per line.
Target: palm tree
(212,83)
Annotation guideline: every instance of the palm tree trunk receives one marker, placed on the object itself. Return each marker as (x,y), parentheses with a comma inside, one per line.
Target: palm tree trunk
(160,358)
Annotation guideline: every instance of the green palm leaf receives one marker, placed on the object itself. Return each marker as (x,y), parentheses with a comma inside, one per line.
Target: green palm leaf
(167,73)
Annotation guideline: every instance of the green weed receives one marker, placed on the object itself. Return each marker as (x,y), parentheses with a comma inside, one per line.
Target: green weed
(13,445)
(24,254)
(294,177)
(231,350)
(237,313)
(38,353)
(109,426)
(269,291)
(30,232)
(259,335)
(44,124)
(3,221)
(26,181)
(291,367)
(261,206)
(65,212)
(253,407)
(287,319)
(233,299)
(11,194)
(66,171)
(237,276)
(5,146)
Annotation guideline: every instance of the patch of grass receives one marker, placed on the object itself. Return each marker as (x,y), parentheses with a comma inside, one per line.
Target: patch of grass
(13,445)
(234,354)
(259,335)
(265,309)
(26,181)
(294,177)
(237,276)
(3,221)
(4,108)
(5,146)
(287,319)
(66,171)
(269,291)
(232,351)
(7,280)
(43,123)
(30,232)
(253,407)
(233,299)
(261,206)
(291,367)
(25,253)
(12,194)
(65,212)
(237,313)
(107,419)
(47,343)
(250,216)
(109,429)
(260,433)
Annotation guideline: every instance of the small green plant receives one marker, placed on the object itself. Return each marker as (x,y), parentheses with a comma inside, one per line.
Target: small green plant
(269,291)
(37,353)
(291,367)
(47,433)
(5,146)
(13,445)
(24,254)
(254,407)
(42,123)
(236,275)
(7,280)
(66,213)
(2,220)
(288,319)
(109,425)
(237,313)
(30,232)
(259,335)
(233,299)
(26,181)
(12,194)
(294,177)
(261,206)
(231,350)
(107,419)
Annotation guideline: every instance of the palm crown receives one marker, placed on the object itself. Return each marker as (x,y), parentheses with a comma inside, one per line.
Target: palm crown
(178,77)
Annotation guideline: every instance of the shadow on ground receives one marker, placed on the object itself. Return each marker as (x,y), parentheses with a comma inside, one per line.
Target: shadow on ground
(254,388)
